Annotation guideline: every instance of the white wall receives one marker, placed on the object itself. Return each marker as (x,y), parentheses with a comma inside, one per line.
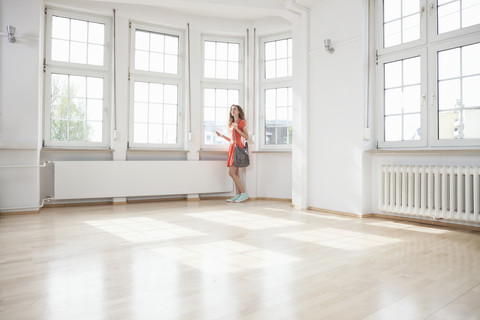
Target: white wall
(21,113)
(19,116)
(336,106)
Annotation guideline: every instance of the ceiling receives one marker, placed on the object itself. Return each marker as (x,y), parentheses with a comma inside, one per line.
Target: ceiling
(229,9)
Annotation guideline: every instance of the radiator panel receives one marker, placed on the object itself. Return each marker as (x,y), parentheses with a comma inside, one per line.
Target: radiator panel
(438,192)
(103,179)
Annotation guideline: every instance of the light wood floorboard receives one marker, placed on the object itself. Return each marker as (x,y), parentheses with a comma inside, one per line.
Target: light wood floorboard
(212,260)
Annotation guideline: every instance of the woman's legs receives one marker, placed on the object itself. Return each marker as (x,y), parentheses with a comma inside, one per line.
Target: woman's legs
(233,172)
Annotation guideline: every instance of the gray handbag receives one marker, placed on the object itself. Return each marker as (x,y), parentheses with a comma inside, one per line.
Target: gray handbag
(240,155)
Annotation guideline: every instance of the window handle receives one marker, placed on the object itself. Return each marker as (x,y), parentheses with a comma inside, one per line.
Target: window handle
(432,101)
(422,11)
(432,7)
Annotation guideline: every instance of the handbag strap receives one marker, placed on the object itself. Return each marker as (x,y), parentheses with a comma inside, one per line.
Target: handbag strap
(235,132)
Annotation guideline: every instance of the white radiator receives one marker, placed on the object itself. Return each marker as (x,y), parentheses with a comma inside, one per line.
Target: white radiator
(102,179)
(439,192)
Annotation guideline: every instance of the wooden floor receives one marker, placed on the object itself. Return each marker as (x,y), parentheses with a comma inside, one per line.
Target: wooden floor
(212,260)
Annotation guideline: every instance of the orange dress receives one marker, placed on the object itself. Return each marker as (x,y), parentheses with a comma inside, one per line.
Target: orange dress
(241,124)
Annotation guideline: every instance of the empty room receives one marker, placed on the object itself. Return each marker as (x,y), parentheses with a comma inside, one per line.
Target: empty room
(253,159)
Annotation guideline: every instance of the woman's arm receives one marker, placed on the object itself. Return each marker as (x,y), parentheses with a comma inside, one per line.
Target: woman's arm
(243,132)
(221,135)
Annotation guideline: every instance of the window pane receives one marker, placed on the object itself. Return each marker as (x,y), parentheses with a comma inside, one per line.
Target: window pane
(155,133)
(95,87)
(170,114)
(141,60)
(471,60)
(393,74)
(392,9)
(449,17)
(470,13)
(270,98)
(141,91)
(411,71)
(155,113)
(140,112)
(221,116)
(78,86)
(140,133)
(94,109)
(142,40)
(76,130)
(209,116)
(233,97)
(222,51)
(393,128)
(411,28)
(209,97)
(393,101)
(94,131)
(412,99)
(282,135)
(282,97)
(58,130)
(411,127)
(209,48)
(270,50)
(270,136)
(60,50)
(282,49)
(392,33)
(95,55)
(96,33)
(78,52)
(282,116)
(448,94)
(471,92)
(170,94)
(233,70)
(157,42)
(155,93)
(170,134)
(471,124)
(79,30)
(410,7)
(60,28)
(282,68)
(209,71)
(233,50)
(221,70)
(221,98)
(270,69)
(449,64)
(171,63)
(171,45)
(156,62)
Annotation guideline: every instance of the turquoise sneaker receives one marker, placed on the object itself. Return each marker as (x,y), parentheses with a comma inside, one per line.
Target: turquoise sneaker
(242,197)
(234,198)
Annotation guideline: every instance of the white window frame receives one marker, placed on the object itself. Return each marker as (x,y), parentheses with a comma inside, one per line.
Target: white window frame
(159,78)
(431,43)
(422,53)
(77,69)
(272,83)
(217,83)
(379,35)
(433,89)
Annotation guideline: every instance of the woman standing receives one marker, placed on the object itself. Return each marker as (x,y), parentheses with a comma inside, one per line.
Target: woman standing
(238,126)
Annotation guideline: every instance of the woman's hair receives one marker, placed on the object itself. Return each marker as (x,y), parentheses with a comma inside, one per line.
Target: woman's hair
(241,114)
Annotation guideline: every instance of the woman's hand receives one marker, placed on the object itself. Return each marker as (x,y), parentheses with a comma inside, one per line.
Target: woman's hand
(218,133)
(235,125)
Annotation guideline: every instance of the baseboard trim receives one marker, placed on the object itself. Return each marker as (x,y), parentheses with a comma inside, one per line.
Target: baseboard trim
(341,213)
(424,221)
(272,199)
(13,213)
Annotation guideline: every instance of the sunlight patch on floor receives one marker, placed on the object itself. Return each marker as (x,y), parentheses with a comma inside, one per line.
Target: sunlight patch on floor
(226,256)
(403,226)
(143,229)
(340,239)
(244,220)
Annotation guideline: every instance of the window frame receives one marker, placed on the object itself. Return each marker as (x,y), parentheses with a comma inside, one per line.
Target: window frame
(429,52)
(77,69)
(158,78)
(218,83)
(271,83)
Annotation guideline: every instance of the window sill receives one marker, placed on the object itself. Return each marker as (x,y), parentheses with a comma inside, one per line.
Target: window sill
(156,150)
(423,151)
(48,149)
(272,151)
